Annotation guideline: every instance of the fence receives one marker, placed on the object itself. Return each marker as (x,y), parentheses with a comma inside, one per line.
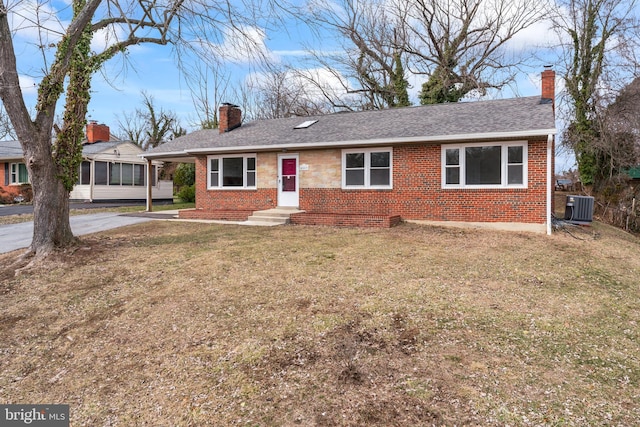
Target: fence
(623,215)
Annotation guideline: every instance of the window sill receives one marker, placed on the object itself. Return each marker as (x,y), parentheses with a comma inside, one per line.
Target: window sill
(367,189)
(232,188)
(486,187)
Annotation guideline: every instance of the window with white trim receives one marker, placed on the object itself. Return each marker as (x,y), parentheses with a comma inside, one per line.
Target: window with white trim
(125,174)
(367,168)
(19,174)
(485,165)
(108,173)
(234,172)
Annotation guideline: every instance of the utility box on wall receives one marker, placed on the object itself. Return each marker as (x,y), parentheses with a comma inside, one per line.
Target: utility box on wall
(579,210)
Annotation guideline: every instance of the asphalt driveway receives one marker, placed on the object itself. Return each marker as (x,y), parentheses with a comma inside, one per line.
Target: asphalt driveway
(20,209)
(18,236)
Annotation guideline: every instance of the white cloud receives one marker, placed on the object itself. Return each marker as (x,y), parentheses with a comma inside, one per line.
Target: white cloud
(106,37)
(243,45)
(293,52)
(314,82)
(28,85)
(36,23)
(538,35)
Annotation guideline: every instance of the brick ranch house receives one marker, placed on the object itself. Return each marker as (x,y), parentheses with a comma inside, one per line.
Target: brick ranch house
(469,163)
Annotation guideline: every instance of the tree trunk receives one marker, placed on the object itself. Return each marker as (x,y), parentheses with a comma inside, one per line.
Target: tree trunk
(51,226)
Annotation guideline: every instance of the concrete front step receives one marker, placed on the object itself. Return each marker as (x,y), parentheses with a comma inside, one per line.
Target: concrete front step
(271,217)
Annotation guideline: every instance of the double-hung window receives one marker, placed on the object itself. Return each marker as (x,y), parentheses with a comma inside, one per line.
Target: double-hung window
(484,165)
(234,172)
(367,168)
(19,174)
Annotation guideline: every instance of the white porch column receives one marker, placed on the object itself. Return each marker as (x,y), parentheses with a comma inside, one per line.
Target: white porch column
(149,185)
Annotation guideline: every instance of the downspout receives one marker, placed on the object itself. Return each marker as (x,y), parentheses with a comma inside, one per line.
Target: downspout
(549,181)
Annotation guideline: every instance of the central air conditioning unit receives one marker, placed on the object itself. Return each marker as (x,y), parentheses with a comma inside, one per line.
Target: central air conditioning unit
(579,210)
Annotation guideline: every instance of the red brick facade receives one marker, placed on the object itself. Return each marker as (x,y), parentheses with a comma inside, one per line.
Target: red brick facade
(346,220)
(7,192)
(417,194)
(212,203)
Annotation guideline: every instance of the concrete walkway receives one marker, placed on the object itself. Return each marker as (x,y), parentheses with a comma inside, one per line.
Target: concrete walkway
(18,236)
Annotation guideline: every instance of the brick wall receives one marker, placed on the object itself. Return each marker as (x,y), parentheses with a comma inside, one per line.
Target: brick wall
(228,200)
(97,132)
(346,220)
(416,194)
(8,191)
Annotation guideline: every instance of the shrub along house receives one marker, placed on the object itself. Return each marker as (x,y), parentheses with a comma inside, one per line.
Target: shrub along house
(110,170)
(486,162)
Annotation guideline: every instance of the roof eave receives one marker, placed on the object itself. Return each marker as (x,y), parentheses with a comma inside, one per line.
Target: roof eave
(167,156)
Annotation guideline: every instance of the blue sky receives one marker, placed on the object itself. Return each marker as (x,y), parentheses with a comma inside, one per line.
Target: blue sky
(153,69)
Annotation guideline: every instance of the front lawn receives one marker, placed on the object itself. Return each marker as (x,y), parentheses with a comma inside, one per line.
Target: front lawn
(190,324)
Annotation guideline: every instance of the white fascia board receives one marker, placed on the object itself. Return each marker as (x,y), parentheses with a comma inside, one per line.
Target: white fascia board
(445,139)
(166,154)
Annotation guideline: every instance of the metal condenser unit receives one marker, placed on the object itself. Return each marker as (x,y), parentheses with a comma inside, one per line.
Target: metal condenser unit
(579,209)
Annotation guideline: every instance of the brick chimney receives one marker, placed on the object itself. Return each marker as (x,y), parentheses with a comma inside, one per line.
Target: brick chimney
(230,117)
(549,85)
(97,132)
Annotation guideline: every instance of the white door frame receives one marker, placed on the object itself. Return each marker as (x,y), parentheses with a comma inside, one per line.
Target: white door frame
(288,198)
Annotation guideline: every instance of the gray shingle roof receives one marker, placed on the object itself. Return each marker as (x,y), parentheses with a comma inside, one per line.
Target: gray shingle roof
(99,147)
(10,150)
(441,122)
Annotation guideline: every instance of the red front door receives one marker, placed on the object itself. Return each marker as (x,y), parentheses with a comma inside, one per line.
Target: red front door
(288,180)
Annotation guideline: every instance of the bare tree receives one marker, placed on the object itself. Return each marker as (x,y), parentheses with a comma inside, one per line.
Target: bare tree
(209,83)
(598,33)
(618,144)
(149,126)
(53,168)
(284,93)
(6,130)
(370,68)
(461,46)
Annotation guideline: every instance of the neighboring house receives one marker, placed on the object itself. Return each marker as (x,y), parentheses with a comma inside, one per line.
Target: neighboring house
(634,176)
(110,170)
(14,178)
(479,163)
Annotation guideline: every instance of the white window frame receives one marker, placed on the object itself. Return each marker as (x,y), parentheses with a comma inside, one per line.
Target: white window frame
(121,174)
(14,174)
(367,168)
(220,159)
(504,165)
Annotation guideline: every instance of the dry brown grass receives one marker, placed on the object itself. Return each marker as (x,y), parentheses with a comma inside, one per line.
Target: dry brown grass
(15,219)
(184,324)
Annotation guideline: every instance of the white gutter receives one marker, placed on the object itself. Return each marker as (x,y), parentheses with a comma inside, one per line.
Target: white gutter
(182,153)
(549,181)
